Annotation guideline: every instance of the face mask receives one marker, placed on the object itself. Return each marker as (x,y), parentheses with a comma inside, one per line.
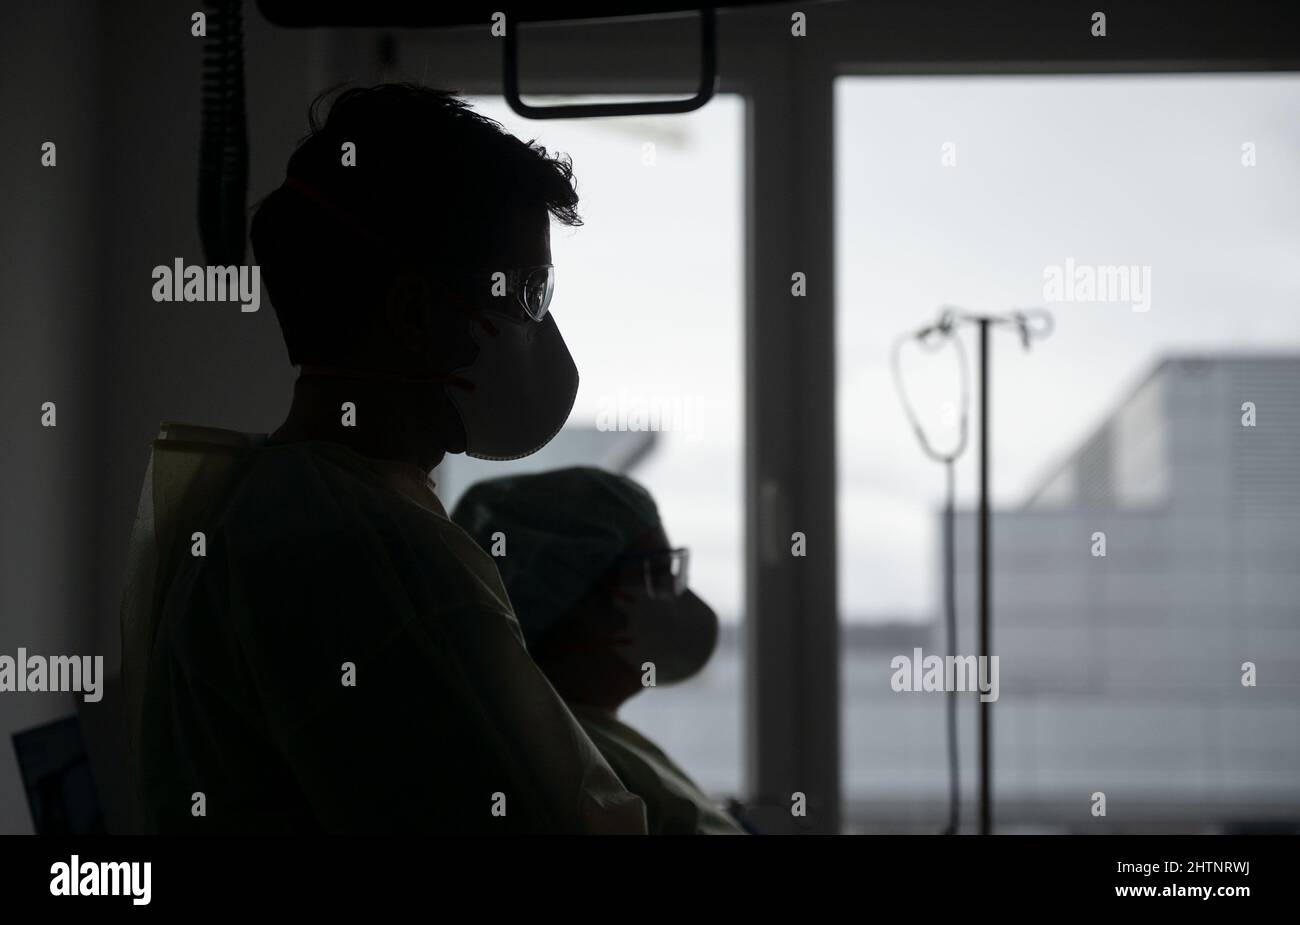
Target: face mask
(522,385)
(513,398)
(677,634)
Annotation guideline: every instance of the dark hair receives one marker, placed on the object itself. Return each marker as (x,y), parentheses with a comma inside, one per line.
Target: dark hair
(432,178)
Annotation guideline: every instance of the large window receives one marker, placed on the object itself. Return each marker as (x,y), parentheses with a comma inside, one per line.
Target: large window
(649,298)
(1178,197)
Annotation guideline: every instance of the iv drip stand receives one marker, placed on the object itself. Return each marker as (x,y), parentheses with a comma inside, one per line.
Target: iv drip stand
(949,318)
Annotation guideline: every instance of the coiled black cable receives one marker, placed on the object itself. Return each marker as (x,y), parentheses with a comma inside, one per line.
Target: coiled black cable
(223,140)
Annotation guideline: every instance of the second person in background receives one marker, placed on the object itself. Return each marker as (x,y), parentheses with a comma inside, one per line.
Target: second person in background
(602,600)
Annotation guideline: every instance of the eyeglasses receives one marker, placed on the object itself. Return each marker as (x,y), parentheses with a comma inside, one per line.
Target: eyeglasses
(529,289)
(658,573)
(532,288)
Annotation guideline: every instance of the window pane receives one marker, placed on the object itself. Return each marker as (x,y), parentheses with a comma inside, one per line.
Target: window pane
(1177,196)
(649,298)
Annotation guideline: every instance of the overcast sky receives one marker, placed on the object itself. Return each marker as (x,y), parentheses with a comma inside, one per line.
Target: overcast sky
(1133,171)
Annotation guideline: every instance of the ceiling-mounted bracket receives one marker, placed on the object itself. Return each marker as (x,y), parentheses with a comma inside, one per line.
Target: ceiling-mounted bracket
(708,77)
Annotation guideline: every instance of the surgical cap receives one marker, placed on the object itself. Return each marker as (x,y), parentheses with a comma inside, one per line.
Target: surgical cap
(562,529)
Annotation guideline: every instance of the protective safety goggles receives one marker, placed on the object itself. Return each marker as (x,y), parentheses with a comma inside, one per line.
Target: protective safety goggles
(658,573)
(528,289)
(532,288)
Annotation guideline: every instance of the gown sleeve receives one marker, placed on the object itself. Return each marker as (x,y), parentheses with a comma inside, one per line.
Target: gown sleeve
(401,699)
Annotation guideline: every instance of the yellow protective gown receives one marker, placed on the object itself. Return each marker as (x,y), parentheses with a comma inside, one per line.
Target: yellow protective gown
(341,657)
(674,804)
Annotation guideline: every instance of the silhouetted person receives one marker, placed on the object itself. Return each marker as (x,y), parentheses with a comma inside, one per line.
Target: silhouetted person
(309,643)
(606,611)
